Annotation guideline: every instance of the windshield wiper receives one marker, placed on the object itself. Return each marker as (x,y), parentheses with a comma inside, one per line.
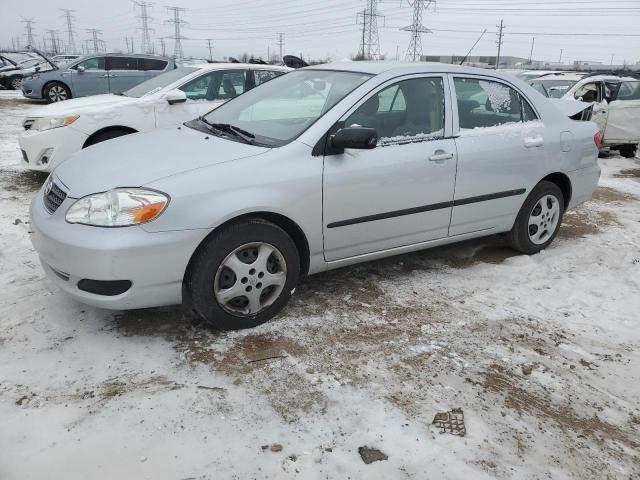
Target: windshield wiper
(238,132)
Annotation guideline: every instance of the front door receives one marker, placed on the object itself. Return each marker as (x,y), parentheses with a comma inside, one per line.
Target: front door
(400,192)
(89,77)
(501,148)
(623,124)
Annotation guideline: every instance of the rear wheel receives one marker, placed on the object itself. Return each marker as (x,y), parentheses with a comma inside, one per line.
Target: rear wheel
(539,219)
(628,151)
(244,275)
(56,92)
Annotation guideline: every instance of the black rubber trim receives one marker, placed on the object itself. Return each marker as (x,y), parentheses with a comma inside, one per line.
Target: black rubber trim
(426,208)
(108,288)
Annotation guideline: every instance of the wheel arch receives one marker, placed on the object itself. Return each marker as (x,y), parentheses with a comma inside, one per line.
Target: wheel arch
(89,141)
(562,181)
(49,82)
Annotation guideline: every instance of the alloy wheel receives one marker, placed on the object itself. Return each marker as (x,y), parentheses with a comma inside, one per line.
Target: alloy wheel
(250,279)
(543,219)
(57,93)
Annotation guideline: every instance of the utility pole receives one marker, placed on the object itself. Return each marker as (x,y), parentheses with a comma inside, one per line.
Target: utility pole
(533,42)
(28,25)
(612,55)
(561,52)
(209,40)
(94,40)
(499,42)
(177,22)
(71,42)
(54,41)
(281,43)
(146,45)
(370,39)
(414,52)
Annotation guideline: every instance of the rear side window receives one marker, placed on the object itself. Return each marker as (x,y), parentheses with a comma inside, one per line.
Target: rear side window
(407,111)
(629,91)
(262,76)
(122,63)
(485,103)
(151,64)
(95,63)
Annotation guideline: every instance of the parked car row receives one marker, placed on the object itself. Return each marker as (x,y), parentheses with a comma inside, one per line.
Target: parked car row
(14,67)
(323,167)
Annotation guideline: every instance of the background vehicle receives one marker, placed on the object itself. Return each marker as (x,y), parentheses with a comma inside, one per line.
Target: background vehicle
(53,132)
(26,64)
(111,72)
(375,159)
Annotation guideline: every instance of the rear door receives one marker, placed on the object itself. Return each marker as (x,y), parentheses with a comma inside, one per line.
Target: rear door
(399,193)
(623,123)
(91,79)
(123,73)
(501,147)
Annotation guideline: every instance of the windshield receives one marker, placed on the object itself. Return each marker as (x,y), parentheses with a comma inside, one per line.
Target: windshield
(553,88)
(159,82)
(278,111)
(31,62)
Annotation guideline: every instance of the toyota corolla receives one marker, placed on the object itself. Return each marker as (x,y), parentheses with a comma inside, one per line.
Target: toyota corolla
(321,168)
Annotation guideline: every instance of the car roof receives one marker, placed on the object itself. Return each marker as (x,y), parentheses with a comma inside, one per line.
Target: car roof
(229,65)
(563,76)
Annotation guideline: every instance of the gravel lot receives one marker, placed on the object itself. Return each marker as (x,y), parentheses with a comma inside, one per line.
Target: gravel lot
(541,354)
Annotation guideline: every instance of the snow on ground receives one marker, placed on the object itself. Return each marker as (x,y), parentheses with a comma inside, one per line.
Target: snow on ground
(541,354)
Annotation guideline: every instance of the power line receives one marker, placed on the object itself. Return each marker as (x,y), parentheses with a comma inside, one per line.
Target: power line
(28,25)
(414,52)
(370,38)
(177,22)
(71,42)
(146,45)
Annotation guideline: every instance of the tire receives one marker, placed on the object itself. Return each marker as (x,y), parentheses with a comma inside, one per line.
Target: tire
(107,135)
(529,238)
(628,151)
(15,83)
(239,261)
(56,92)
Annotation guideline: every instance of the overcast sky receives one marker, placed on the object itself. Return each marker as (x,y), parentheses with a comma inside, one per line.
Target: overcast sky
(591,29)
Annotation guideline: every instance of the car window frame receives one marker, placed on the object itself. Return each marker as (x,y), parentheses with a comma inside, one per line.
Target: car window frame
(521,95)
(447,125)
(75,66)
(217,70)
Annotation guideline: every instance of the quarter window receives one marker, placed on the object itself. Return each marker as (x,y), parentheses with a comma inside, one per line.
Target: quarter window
(485,103)
(95,63)
(407,111)
(151,64)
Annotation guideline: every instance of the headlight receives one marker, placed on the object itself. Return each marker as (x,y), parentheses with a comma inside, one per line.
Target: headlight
(47,123)
(118,208)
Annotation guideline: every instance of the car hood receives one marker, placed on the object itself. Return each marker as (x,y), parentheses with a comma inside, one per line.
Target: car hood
(139,159)
(76,106)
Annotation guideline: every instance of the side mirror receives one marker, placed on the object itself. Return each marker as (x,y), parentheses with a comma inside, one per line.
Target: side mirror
(175,96)
(80,69)
(363,138)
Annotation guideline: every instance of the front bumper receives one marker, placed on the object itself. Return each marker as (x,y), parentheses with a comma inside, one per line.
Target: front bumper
(31,90)
(154,263)
(45,150)
(583,183)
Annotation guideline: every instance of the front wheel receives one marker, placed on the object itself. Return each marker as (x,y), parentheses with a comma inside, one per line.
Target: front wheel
(628,151)
(244,275)
(56,92)
(16,83)
(539,219)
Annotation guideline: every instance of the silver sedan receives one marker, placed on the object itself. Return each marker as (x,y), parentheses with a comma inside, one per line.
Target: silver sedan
(323,167)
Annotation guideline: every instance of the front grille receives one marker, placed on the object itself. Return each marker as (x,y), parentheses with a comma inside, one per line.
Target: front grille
(28,122)
(53,196)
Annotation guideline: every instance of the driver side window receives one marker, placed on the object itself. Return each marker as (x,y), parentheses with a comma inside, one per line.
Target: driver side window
(95,63)
(216,85)
(407,111)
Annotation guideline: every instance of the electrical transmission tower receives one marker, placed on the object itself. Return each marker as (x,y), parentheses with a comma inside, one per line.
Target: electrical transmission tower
(280,43)
(71,42)
(177,22)
(370,49)
(414,52)
(54,41)
(95,42)
(500,42)
(209,40)
(28,25)
(163,48)
(146,45)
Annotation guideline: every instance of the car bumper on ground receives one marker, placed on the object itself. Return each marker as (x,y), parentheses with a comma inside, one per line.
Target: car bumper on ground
(45,150)
(130,267)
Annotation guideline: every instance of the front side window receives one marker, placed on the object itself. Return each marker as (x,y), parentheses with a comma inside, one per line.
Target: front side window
(629,91)
(589,92)
(485,103)
(122,63)
(281,109)
(262,76)
(216,85)
(95,63)
(407,111)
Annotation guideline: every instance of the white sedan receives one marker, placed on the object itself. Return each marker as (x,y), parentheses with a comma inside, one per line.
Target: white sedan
(56,131)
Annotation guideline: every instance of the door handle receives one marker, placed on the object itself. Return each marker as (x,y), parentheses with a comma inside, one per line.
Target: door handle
(440,156)
(532,142)
(106,75)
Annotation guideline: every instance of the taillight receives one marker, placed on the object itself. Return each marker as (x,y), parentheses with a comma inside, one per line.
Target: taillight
(597,138)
